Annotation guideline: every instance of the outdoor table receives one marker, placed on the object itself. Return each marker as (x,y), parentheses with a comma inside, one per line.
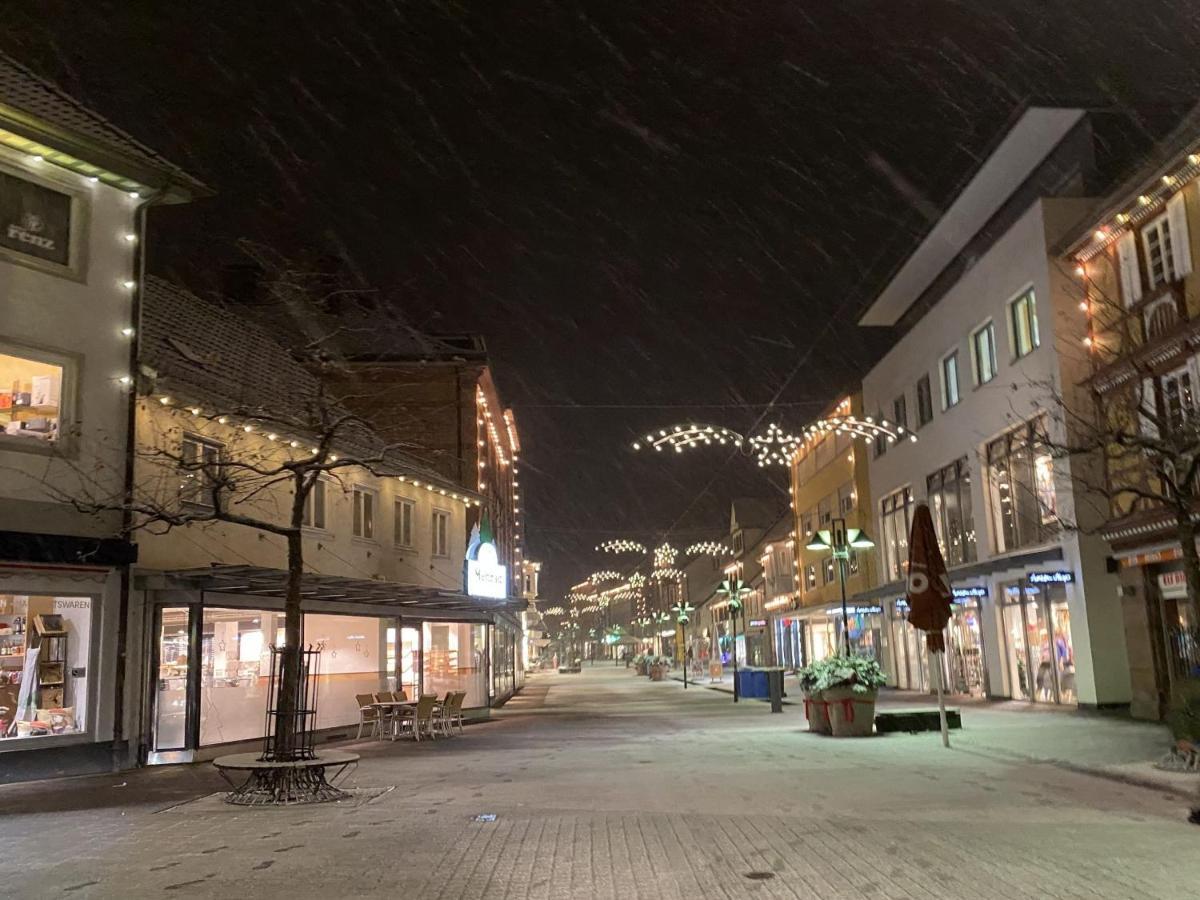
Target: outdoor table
(391,706)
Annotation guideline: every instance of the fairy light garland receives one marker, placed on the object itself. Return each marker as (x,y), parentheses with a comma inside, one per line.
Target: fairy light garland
(709,548)
(621,545)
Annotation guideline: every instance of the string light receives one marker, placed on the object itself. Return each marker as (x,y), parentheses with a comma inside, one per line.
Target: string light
(603,575)
(664,556)
(709,548)
(681,437)
(621,545)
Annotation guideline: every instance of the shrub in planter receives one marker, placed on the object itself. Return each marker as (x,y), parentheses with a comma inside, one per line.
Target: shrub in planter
(1183,718)
(846,688)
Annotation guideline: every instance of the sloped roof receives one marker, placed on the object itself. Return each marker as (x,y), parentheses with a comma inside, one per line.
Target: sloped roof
(37,109)
(207,354)
(753,512)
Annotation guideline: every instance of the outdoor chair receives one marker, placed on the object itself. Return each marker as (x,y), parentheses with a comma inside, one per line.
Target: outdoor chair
(425,718)
(452,713)
(367,714)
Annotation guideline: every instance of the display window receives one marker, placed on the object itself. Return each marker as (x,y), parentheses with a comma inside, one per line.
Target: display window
(45,645)
(1038,651)
(31,396)
(454,659)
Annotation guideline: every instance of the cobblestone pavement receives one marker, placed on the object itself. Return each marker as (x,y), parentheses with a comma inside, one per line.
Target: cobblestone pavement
(607,785)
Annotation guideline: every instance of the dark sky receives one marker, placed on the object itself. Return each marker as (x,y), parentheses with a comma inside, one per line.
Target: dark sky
(679,203)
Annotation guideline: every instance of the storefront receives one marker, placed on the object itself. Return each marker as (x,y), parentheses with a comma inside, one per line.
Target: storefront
(965,667)
(1036,624)
(789,641)
(211,655)
(757,643)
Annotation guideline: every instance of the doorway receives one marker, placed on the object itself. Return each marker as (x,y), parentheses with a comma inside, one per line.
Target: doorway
(1039,653)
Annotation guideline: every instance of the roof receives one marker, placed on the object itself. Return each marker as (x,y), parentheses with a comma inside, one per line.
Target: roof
(207,354)
(752,512)
(36,109)
(1036,132)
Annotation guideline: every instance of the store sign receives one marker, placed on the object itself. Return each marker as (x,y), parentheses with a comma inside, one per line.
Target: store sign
(1050,577)
(35,220)
(854,610)
(969,593)
(757,623)
(1172,585)
(485,576)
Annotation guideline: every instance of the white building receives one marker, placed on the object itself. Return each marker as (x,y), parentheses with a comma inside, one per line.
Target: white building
(74,191)
(990,336)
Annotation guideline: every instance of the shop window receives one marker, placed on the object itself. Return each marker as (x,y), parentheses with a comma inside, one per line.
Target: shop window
(900,411)
(1160,259)
(950,381)
(896,517)
(235,668)
(364,512)
(1021,489)
(1024,324)
(353,661)
(199,469)
(983,353)
(924,402)
(404,523)
(31,396)
(454,660)
(441,533)
(45,645)
(314,505)
(949,492)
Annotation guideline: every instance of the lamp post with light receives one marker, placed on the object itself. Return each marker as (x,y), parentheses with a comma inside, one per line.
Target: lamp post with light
(733,590)
(840,540)
(683,613)
(659,618)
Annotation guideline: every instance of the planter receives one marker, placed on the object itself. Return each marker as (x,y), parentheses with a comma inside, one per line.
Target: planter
(851,714)
(641,668)
(816,710)
(657,673)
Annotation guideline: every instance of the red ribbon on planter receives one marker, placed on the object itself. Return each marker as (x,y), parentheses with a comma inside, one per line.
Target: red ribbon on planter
(848,708)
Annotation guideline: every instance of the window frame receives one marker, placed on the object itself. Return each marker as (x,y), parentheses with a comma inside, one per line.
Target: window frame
(1161,225)
(308,524)
(357,519)
(900,410)
(202,441)
(68,409)
(952,356)
(1028,297)
(436,515)
(988,328)
(53,178)
(922,418)
(397,520)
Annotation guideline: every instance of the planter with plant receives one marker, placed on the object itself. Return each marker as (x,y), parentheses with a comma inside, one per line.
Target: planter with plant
(842,690)
(1183,718)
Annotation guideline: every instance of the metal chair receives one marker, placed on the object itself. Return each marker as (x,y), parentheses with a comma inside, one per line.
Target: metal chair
(368,714)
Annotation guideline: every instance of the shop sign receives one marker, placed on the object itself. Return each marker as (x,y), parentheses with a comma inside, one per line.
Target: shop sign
(970,593)
(35,220)
(757,623)
(1153,556)
(854,610)
(1172,585)
(1050,577)
(485,576)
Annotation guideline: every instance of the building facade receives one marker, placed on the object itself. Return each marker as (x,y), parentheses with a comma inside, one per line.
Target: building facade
(74,192)
(1139,296)
(990,349)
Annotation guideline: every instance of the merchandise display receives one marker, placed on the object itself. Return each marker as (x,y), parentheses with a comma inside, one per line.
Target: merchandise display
(43,671)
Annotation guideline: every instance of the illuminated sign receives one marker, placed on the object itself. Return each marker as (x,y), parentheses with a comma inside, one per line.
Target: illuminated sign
(967,593)
(485,576)
(757,623)
(854,610)
(1050,577)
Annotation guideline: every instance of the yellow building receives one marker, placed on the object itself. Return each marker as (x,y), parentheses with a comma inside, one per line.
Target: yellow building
(828,481)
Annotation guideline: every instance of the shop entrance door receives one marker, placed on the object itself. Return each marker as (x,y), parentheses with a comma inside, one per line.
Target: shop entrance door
(1037,628)
(175,716)
(965,650)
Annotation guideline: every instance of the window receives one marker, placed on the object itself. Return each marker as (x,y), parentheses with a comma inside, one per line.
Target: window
(314,505)
(1023,318)
(881,443)
(846,499)
(441,533)
(824,452)
(809,522)
(950,380)
(1179,397)
(199,459)
(900,410)
(852,562)
(896,517)
(949,492)
(403,530)
(738,546)
(1160,317)
(825,512)
(1160,260)
(983,350)
(31,396)
(924,402)
(810,577)
(827,573)
(364,512)
(1022,498)
(41,226)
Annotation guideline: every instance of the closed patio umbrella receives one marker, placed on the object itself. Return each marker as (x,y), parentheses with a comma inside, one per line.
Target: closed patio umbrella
(929,598)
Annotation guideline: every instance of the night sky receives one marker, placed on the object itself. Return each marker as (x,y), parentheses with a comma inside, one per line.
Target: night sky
(654,211)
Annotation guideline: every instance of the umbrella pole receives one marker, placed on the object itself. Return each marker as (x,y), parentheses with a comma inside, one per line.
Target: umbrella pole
(940,659)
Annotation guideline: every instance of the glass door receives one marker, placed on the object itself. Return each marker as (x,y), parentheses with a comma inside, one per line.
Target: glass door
(965,650)
(409,662)
(1016,651)
(172,715)
(1064,653)
(1041,654)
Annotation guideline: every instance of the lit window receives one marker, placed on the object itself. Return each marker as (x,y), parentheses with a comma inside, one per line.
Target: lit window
(846,499)
(983,349)
(441,533)
(199,469)
(896,519)
(364,512)
(1021,493)
(950,381)
(31,395)
(1023,313)
(404,523)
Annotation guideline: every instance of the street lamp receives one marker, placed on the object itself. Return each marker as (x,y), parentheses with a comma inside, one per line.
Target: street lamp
(839,539)
(659,618)
(734,589)
(683,612)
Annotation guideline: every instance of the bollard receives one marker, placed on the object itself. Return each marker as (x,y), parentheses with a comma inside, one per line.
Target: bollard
(775,689)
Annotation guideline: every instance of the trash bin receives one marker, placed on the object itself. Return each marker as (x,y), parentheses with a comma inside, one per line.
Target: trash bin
(775,689)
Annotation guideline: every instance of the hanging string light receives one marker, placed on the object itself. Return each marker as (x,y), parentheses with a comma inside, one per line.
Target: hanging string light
(681,437)
(604,575)
(621,545)
(709,548)
(664,556)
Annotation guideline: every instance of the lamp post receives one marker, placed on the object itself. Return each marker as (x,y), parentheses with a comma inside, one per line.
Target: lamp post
(734,589)
(683,612)
(659,618)
(839,539)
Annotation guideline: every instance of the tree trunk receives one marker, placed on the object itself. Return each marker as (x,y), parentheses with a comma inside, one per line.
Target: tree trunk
(289,682)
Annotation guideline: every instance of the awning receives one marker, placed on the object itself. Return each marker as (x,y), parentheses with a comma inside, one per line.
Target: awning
(971,570)
(261,581)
